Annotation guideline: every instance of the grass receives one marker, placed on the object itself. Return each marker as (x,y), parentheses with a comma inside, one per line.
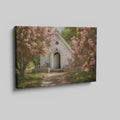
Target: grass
(29,67)
(30,80)
(78,77)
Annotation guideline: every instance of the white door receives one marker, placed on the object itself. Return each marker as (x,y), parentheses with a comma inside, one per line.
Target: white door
(57,61)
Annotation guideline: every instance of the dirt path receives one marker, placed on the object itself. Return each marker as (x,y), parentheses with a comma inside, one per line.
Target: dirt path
(54,78)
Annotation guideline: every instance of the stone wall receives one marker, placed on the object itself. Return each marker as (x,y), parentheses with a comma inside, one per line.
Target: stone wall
(64,51)
(47,70)
(37,70)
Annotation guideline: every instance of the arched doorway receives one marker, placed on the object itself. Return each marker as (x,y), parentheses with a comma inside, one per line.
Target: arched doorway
(57,60)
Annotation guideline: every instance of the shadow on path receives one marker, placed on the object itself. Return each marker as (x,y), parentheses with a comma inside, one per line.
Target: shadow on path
(54,78)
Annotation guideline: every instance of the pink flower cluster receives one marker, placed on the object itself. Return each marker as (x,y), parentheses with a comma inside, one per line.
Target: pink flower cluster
(84,65)
(80,56)
(26,40)
(82,31)
(84,46)
(92,63)
(34,39)
(70,62)
(34,51)
(75,43)
(90,42)
(18,50)
(73,57)
(18,42)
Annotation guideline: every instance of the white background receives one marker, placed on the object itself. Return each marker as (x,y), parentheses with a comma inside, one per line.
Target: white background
(94,101)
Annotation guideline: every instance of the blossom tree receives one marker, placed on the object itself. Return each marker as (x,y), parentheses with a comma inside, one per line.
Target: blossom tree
(31,42)
(84,46)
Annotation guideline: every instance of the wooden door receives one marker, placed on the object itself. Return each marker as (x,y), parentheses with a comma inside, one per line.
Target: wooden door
(57,61)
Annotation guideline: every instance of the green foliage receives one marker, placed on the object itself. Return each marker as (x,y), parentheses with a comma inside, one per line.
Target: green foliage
(67,33)
(30,80)
(36,61)
(30,65)
(78,77)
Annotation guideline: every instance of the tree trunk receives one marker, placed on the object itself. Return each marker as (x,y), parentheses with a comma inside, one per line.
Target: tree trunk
(22,73)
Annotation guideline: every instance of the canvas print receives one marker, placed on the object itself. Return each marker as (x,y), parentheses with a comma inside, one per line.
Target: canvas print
(50,56)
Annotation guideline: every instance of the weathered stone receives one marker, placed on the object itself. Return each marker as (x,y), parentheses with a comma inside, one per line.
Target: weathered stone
(37,70)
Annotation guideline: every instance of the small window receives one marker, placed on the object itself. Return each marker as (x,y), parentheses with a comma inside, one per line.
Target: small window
(56,42)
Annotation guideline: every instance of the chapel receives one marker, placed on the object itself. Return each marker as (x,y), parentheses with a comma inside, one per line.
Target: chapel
(59,55)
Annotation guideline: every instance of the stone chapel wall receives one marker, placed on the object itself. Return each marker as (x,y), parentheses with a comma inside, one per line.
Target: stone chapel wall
(65,53)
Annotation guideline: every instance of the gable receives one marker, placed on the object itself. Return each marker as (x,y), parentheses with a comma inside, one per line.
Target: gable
(64,41)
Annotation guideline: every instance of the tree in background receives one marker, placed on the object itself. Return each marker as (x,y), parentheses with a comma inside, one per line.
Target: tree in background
(36,61)
(84,46)
(31,42)
(67,33)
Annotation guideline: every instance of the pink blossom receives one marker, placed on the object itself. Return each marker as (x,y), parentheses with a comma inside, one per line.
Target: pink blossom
(17,37)
(82,46)
(26,40)
(73,39)
(82,34)
(92,63)
(28,36)
(85,31)
(88,28)
(92,54)
(81,42)
(23,30)
(85,64)
(78,39)
(21,34)
(82,68)
(18,49)
(75,43)
(76,50)
(73,56)
(43,52)
(70,62)
(34,44)
(28,45)
(90,42)
(83,39)
(80,57)
(78,33)
(18,41)
(78,29)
